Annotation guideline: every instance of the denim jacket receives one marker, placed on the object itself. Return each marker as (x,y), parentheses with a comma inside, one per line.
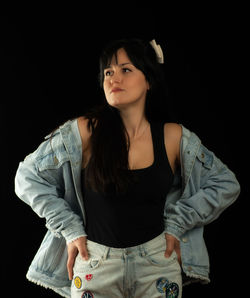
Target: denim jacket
(49,181)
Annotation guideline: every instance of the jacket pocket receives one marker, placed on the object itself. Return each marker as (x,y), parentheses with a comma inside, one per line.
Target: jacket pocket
(52,255)
(53,160)
(206,157)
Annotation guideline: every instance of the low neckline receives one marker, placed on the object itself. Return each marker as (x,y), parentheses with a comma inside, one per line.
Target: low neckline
(153,163)
(145,168)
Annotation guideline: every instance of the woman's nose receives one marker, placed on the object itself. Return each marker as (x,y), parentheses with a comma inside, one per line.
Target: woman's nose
(116,78)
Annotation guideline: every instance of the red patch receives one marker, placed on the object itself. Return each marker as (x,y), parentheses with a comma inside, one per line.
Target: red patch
(89,277)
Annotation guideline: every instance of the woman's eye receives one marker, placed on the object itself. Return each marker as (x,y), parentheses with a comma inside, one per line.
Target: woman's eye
(125,69)
(108,73)
(111,72)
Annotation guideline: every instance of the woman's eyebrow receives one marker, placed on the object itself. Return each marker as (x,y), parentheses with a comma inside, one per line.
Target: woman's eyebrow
(122,64)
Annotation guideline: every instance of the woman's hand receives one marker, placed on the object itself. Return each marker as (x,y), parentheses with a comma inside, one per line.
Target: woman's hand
(172,244)
(75,247)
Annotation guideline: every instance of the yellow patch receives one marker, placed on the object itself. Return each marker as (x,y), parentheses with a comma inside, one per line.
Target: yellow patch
(78,282)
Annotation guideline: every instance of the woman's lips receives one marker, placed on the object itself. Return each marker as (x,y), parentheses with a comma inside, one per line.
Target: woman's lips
(114,90)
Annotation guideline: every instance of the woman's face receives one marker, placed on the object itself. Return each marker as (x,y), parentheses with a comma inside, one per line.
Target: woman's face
(124,85)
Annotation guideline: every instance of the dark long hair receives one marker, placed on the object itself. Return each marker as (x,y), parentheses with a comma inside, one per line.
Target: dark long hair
(107,169)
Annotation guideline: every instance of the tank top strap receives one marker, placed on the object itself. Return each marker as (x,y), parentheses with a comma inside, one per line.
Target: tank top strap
(157,130)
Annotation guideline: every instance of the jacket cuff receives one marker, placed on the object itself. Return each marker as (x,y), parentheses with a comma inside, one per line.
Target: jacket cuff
(73,233)
(174,230)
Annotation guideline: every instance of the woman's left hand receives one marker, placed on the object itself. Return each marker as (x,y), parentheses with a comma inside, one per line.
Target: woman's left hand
(172,244)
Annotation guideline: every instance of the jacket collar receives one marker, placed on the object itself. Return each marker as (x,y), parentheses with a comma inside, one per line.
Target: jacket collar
(72,141)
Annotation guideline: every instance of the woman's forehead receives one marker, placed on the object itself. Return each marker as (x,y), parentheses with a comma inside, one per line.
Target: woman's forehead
(120,58)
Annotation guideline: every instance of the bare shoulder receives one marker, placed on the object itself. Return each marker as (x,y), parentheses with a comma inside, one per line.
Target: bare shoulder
(83,123)
(173,131)
(84,130)
(172,138)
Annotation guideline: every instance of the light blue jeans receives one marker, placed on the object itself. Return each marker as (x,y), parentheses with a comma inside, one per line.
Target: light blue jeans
(139,271)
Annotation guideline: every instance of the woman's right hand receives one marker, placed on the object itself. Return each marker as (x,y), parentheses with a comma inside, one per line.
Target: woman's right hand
(75,247)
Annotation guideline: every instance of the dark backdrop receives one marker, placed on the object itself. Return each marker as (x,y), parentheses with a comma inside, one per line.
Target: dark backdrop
(49,67)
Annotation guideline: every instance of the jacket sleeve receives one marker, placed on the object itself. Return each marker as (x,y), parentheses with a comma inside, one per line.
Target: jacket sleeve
(45,197)
(198,206)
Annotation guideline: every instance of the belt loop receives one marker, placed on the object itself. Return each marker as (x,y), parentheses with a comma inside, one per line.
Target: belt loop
(142,251)
(106,252)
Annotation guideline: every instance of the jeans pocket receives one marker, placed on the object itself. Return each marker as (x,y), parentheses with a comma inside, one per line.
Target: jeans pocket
(91,264)
(158,258)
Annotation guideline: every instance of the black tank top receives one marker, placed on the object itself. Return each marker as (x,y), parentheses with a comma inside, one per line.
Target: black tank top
(128,220)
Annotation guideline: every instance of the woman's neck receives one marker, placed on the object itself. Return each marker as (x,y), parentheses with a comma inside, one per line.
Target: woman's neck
(135,122)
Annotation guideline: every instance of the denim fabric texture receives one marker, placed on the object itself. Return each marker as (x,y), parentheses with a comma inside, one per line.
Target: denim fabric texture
(139,271)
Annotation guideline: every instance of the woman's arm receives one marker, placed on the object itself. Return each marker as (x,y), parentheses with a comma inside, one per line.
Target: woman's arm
(46,199)
(218,189)
(172,139)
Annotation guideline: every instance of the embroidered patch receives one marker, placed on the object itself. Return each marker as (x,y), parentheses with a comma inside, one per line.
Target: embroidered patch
(89,277)
(161,284)
(78,282)
(87,294)
(172,290)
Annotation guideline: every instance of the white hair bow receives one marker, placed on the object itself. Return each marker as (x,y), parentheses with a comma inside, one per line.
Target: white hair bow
(158,51)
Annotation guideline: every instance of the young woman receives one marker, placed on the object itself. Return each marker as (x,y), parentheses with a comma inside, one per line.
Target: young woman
(125,198)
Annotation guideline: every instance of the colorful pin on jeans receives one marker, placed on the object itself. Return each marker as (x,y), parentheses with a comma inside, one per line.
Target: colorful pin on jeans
(172,290)
(87,294)
(88,277)
(78,282)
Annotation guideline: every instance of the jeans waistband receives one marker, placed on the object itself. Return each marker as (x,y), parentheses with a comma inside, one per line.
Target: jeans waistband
(118,252)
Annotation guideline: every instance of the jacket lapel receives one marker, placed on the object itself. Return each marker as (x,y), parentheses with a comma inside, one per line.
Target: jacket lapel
(190,145)
(73,144)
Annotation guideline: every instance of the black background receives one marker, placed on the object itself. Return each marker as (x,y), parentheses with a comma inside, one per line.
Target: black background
(49,67)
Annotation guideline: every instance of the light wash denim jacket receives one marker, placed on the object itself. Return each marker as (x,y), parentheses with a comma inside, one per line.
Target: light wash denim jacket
(49,181)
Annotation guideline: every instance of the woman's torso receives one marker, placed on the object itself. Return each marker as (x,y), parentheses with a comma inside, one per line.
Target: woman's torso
(114,223)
